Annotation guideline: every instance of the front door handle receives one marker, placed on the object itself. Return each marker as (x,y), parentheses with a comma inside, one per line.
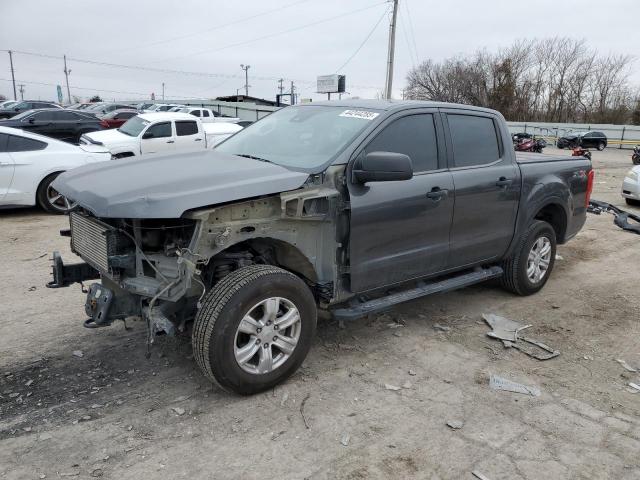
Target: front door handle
(198,140)
(503,182)
(437,194)
(171,141)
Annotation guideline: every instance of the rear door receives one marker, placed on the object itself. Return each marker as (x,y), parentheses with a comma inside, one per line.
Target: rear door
(7,166)
(40,122)
(157,139)
(400,229)
(189,137)
(487,187)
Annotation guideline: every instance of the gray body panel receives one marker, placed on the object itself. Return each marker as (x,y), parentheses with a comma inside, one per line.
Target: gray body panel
(167,186)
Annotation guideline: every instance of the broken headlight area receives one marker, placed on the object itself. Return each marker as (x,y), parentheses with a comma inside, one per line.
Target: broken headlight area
(140,263)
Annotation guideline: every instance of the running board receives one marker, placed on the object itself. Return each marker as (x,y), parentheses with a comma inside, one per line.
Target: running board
(384,303)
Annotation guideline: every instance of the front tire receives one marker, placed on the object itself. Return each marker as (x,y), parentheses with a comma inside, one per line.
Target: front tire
(528,270)
(254,329)
(601,146)
(50,200)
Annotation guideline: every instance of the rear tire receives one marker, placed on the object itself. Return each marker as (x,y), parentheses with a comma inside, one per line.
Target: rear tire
(521,270)
(50,200)
(238,312)
(601,146)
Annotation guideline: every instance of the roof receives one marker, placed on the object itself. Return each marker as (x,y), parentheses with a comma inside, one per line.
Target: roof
(248,99)
(156,116)
(394,104)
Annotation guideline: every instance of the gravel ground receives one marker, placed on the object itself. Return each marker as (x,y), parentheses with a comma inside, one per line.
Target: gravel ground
(372,400)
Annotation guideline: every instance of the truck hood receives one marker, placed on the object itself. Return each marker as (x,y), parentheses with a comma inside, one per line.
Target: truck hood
(110,137)
(167,186)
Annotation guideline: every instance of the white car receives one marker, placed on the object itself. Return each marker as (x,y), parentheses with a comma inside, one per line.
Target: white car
(30,162)
(162,107)
(206,115)
(160,133)
(8,103)
(631,186)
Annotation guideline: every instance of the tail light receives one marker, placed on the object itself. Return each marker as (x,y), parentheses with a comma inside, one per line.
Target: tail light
(104,123)
(590,178)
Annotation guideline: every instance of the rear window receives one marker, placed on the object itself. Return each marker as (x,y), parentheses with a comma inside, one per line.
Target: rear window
(184,128)
(474,139)
(22,144)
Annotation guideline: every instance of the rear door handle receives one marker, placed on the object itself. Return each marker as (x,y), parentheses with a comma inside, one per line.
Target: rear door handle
(198,140)
(503,182)
(437,194)
(171,141)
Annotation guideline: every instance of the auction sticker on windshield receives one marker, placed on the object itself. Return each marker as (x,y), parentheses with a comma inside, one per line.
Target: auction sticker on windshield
(363,114)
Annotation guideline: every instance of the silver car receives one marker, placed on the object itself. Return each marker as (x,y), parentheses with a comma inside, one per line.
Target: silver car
(631,186)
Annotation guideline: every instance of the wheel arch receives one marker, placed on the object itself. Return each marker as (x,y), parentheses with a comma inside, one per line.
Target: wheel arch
(554,214)
(285,255)
(41,180)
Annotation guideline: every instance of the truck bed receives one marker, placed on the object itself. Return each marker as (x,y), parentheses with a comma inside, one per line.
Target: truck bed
(528,157)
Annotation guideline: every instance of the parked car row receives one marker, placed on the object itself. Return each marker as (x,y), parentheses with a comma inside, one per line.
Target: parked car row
(29,163)
(67,125)
(23,106)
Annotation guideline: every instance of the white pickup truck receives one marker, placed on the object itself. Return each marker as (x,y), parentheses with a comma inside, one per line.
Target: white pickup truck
(206,115)
(160,133)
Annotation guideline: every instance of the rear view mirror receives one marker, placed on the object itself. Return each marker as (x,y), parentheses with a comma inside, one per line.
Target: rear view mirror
(383,167)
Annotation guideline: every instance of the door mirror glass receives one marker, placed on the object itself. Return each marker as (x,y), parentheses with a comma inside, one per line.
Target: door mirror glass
(383,167)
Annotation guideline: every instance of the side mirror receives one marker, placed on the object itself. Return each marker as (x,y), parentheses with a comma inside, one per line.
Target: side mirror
(17,109)
(383,167)
(147,135)
(32,120)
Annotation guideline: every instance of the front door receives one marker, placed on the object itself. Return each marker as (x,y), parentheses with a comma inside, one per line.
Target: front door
(487,188)
(7,166)
(157,139)
(400,229)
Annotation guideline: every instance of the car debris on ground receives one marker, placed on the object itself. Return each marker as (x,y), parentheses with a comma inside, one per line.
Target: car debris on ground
(508,332)
(621,217)
(500,383)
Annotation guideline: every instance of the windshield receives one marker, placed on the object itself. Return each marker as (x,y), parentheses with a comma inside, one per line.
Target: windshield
(301,137)
(133,126)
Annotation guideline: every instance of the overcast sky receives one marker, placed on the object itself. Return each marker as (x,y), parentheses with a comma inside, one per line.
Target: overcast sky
(295,40)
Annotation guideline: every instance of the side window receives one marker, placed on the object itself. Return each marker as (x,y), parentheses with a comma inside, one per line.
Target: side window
(64,116)
(4,138)
(474,139)
(22,144)
(205,113)
(184,128)
(413,135)
(159,130)
(42,105)
(195,113)
(41,116)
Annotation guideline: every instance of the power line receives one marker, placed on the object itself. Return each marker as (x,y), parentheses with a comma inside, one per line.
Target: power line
(219,27)
(413,35)
(165,70)
(295,29)
(386,10)
(91,89)
(406,39)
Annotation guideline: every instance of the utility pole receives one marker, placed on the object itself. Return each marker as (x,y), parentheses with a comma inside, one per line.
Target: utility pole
(13,77)
(21,91)
(281,86)
(293,95)
(66,76)
(392,45)
(163,91)
(246,78)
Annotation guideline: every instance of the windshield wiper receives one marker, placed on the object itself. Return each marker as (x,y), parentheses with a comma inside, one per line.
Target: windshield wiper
(252,157)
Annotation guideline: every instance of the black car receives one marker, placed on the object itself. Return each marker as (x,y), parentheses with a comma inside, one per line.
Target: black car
(590,139)
(24,106)
(58,123)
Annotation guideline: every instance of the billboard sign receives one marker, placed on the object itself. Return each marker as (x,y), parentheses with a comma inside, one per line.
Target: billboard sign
(331,84)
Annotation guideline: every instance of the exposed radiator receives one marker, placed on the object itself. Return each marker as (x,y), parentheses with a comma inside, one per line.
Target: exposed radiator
(94,241)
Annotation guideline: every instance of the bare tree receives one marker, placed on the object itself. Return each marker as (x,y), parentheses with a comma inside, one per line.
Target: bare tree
(555,79)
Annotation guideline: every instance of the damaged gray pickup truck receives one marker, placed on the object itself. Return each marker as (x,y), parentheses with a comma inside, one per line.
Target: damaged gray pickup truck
(350,206)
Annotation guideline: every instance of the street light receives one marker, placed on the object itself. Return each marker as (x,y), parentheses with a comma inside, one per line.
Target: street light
(246,78)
